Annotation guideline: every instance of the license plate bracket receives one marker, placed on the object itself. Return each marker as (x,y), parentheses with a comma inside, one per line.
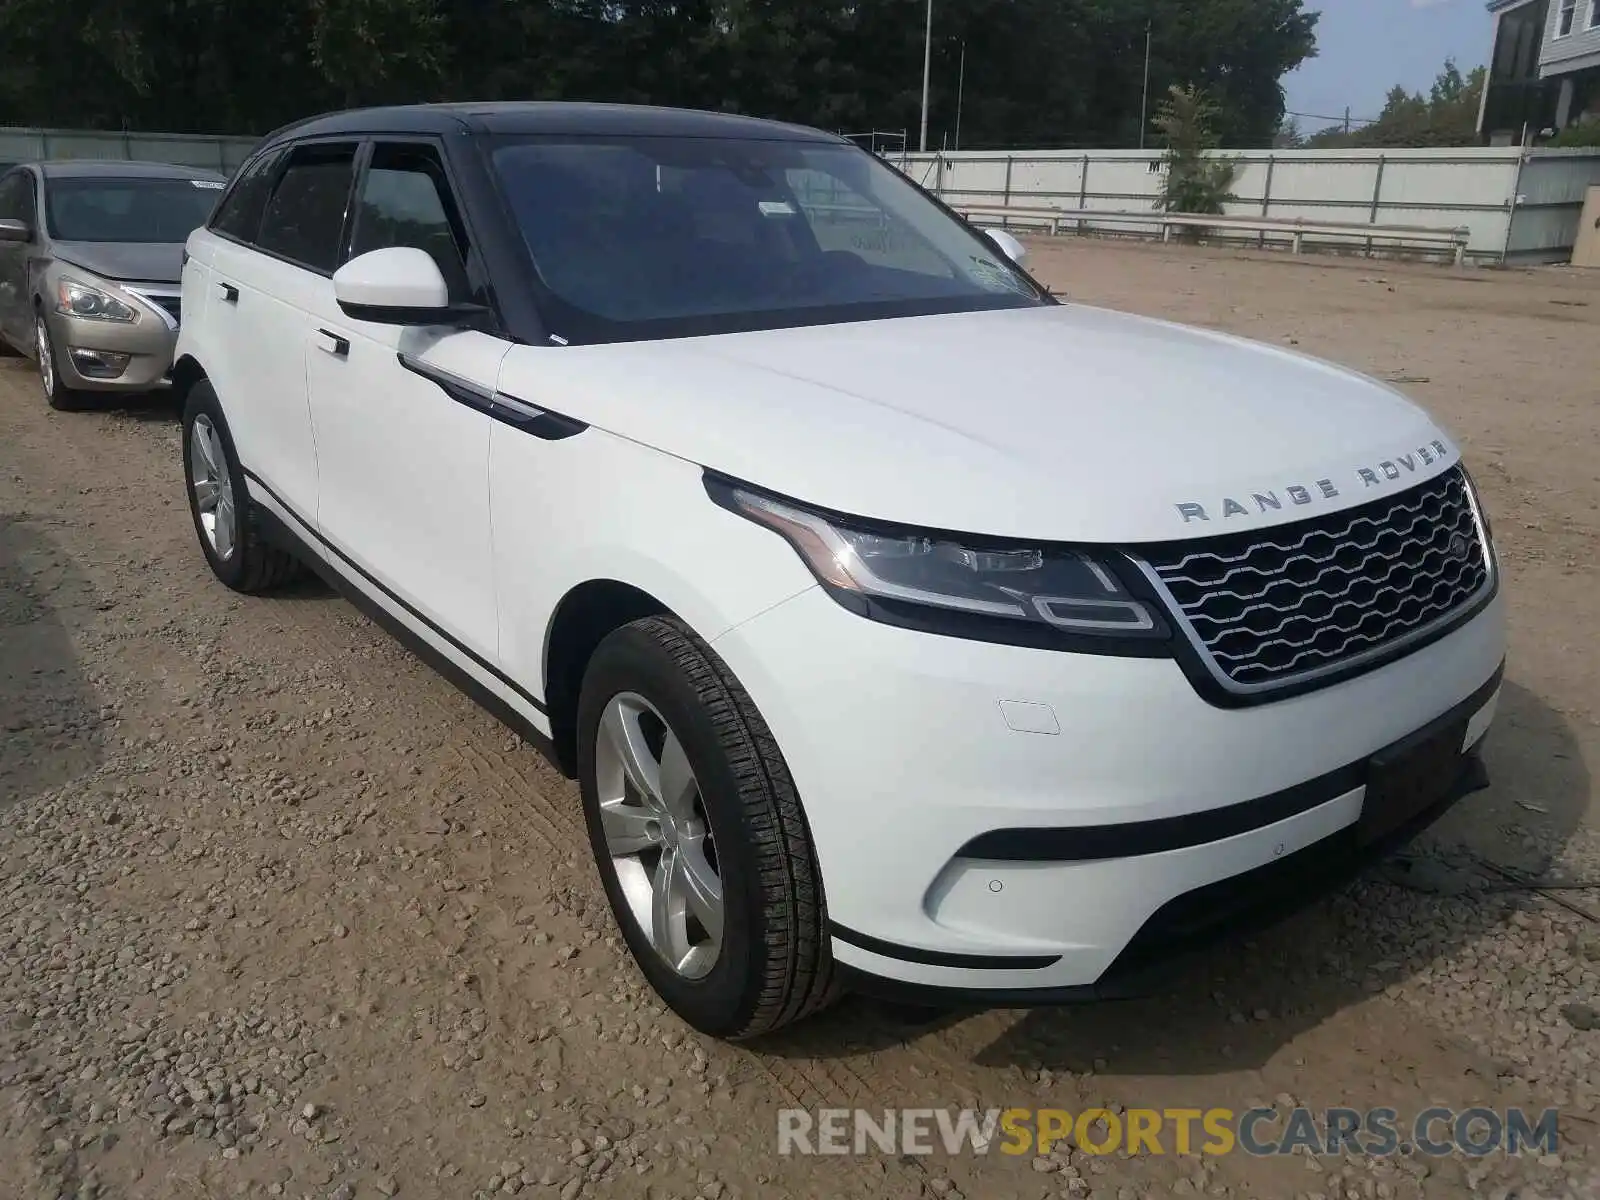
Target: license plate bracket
(1410,777)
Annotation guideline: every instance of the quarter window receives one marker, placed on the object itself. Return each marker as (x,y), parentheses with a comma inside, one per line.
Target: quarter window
(304,219)
(405,200)
(239,214)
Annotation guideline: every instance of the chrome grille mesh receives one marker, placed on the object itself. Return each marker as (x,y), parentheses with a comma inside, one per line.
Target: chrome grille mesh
(1276,605)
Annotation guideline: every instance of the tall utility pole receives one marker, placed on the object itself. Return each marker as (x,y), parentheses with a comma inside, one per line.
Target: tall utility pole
(1144,105)
(961,91)
(927,70)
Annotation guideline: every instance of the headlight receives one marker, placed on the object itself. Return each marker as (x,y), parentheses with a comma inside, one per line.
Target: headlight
(80,300)
(959,585)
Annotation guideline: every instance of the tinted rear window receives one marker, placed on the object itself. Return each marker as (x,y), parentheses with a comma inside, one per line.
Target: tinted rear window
(304,220)
(239,215)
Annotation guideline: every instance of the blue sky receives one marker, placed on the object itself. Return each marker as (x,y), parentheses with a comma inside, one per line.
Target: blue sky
(1365,47)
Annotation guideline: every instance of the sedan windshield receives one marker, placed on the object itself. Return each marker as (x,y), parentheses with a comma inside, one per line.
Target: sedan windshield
(128,210)
(664,236)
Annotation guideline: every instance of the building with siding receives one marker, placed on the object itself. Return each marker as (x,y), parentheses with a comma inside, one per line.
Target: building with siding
(1544,70)
(1571,58)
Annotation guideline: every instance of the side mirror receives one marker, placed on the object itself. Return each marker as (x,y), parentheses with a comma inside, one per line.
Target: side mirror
(398,285)
(14,231)
(1009,246)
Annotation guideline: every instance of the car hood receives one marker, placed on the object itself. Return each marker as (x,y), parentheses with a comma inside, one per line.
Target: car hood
(130,262)
(1065,423)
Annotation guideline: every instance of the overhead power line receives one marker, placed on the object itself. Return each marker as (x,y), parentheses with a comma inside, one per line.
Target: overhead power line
(1339,120)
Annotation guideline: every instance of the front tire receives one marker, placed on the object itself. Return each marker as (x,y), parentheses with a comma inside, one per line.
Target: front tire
(697,830)
(57,394)
(227,524)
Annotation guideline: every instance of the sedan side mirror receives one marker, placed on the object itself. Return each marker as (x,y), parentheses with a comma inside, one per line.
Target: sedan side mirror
(1009,246)
(14,231)
(398,285)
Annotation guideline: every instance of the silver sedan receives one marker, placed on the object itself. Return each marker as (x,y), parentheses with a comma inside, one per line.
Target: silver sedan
(90,259)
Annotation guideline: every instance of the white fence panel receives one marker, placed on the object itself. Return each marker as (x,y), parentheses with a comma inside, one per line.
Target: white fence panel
(1517,205)
(983,175)
(1253,181)
(1450,183)
(1347,183)
(190,150)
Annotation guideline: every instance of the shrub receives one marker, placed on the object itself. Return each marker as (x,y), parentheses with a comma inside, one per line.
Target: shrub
(1585,133)
(1195,180)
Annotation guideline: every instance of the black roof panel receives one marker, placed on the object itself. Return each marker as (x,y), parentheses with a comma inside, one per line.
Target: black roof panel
(558,117)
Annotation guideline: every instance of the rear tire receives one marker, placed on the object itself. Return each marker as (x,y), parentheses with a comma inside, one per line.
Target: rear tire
(226,522)
(769,962)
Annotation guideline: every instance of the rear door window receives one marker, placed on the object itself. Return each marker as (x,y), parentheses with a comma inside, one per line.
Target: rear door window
(304,219)
(239,214)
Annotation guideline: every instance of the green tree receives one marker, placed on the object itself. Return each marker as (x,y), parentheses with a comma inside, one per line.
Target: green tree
(1195,180)
(1446,116)
(1289,136)
(1038,72)
(377,50)
(1581,134)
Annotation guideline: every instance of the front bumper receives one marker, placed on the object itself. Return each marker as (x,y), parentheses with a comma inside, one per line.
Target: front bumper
(149,343)
(1016,824)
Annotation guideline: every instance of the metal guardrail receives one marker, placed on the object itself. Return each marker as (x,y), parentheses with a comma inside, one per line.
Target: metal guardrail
(1296,230)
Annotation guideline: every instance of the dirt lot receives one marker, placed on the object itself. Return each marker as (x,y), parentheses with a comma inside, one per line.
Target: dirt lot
(283,914)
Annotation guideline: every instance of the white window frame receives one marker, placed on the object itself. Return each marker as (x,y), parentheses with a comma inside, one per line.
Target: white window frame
(1567,13)
(1594,15)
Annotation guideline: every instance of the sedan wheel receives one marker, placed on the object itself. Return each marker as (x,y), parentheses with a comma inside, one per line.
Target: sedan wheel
(657,835)
(47,358)
(56,392)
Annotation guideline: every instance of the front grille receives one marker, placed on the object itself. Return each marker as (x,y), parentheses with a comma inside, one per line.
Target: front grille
(1275,606)
(172,304)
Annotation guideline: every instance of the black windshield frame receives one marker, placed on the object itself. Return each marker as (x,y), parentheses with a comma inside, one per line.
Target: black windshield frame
(208,191)
(566,322)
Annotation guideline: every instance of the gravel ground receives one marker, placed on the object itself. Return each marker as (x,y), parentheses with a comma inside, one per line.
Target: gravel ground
(281,914)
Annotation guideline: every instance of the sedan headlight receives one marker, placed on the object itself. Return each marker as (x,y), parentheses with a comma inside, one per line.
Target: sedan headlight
(990,590)
(77,299)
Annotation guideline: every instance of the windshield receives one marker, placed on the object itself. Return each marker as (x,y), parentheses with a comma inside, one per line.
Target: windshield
(128,210)
(662,237)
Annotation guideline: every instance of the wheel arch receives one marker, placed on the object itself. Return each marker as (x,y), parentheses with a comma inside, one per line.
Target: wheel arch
(186,372)
(586,615)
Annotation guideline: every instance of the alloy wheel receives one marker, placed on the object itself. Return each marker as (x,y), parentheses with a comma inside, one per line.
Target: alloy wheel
(213,487)
(47,358)
(657,837)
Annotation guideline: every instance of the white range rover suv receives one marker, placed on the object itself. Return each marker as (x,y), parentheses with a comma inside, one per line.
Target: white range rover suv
(905,628)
